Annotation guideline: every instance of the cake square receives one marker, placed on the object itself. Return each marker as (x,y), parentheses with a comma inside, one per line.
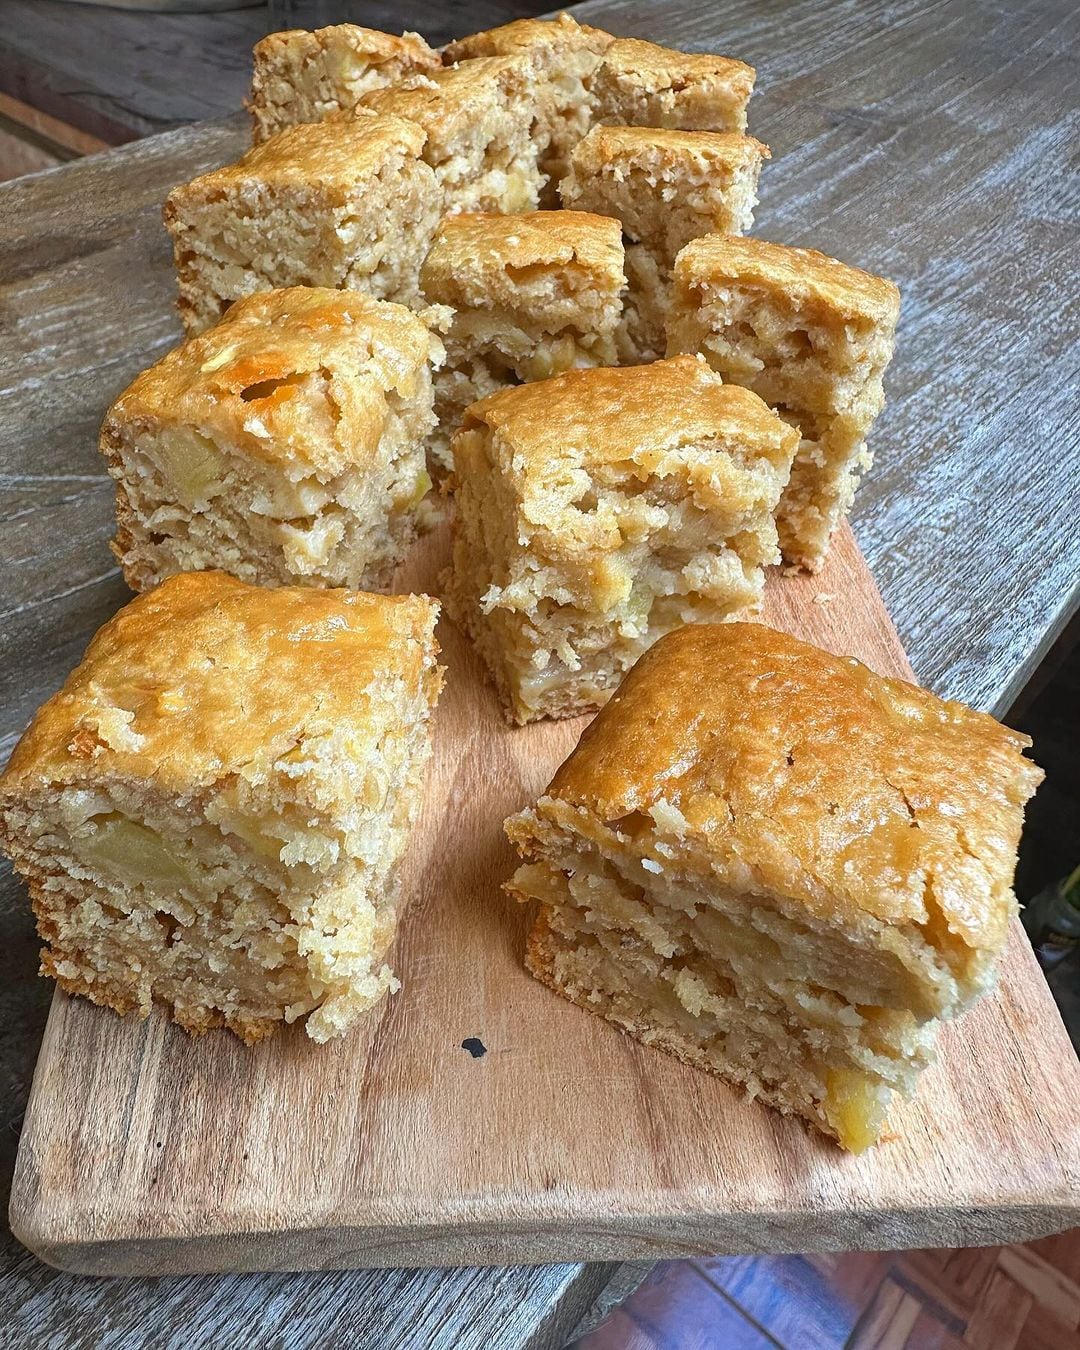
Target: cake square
(566,54)
(811,336)
(477,118)
(533,295)
(666,187)
(639,84)
(348,202)
(599,509)
(211,812)
(286,445)
(780,867)
(305,76)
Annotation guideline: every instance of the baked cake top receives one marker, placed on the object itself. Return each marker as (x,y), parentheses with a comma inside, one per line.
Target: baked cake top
(562,32)
(375,48)
(445,102)
(205,676)
(801,274)
(655,68)
(335,154)
(619,146)
(611,414)
(811,777)
(299,376)
(478,258)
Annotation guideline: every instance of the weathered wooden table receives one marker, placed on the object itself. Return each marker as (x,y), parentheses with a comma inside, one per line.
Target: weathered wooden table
(920,140)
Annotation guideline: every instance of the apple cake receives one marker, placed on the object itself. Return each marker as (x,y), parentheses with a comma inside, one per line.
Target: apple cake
(477,118)
(210,814)
(284,445)
(348,203)
(304,76)
(533,295)
(666,187)
(566,55)
(639,84)
(599,509)
(778,866)
(813,337)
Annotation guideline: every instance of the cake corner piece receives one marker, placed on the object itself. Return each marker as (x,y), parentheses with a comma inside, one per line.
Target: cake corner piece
(346,203)
(813,336)
(302,75)
(286,444)
(211,813)
(725,871)
(601,508)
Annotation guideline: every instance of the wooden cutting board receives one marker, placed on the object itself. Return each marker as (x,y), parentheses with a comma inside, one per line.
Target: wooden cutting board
(147,1152)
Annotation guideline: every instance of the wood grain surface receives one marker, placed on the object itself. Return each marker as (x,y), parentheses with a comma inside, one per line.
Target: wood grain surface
(147,1152)
(923,139)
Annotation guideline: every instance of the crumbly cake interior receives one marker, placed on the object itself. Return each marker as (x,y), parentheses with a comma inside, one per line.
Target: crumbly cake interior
(558,632)
(565,56)
(562,319)
(186,502)
(640,84)
(256,901)
(818,1020)
(664,195)
(640,334)
(258,236)
(565,113)
(823,376)
(309,76)
(484,158)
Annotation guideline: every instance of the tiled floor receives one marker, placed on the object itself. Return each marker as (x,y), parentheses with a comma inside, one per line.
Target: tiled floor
(992,1298)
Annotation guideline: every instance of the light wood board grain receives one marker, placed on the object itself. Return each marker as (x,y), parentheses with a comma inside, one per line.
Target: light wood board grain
(144,1151)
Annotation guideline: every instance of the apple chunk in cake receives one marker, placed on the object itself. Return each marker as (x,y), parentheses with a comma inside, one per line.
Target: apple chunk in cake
(599,509)
(639,84)
(477,118)
(566,54)
(347,203)
(533,295)
(284,445)
(210,813)
(304,76)
(778,866)
(665,188)
(813,337)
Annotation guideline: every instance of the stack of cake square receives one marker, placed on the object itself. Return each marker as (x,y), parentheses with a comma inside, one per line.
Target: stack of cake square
(212,811)
(765,859)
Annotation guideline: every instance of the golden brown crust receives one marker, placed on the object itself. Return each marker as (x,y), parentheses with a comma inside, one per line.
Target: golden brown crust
(472,249)
(375,47)
(336,154)
(656,68)
(634,412)
(612,145)
(445,102)
(241,382)
(801,274)
(522,35)
(206,675)
(822,781)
